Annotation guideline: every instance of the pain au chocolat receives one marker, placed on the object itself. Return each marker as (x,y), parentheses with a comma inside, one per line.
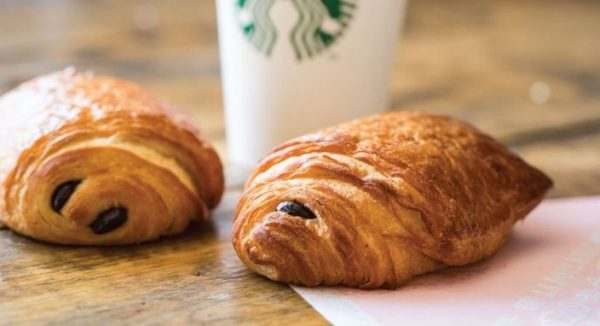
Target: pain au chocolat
(379,200)
(93,160)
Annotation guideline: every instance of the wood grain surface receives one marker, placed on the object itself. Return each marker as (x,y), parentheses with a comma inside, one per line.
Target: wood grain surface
(191,279)
(526,72)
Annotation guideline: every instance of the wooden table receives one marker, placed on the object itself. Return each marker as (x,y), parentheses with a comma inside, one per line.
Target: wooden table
(528,72)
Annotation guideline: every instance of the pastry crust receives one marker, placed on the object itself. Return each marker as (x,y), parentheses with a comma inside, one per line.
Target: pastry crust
(122,146)
(395,196)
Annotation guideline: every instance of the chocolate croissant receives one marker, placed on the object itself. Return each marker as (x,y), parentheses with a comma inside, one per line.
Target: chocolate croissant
(93,160)
(377,201)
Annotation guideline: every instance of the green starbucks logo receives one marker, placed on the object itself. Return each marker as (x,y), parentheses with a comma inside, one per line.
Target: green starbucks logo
(320,24)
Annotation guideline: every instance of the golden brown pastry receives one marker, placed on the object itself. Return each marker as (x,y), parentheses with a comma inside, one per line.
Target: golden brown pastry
(95,160)
(377,201)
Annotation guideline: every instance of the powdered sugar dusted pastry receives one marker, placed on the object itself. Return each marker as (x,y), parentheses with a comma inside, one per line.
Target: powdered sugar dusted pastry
(95,160)
(377,201)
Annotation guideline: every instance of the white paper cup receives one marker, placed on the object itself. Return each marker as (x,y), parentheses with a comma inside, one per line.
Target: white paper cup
(294,66)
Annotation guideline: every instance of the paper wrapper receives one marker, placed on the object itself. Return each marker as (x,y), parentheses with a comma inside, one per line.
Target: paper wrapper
(548,273)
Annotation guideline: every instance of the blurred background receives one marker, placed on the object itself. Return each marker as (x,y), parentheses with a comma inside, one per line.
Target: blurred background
(527,72)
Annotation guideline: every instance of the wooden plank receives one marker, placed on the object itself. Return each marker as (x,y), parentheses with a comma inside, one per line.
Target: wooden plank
(480,61)
(191,279)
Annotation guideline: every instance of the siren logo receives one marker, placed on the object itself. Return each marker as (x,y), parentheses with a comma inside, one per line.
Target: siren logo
(320,24)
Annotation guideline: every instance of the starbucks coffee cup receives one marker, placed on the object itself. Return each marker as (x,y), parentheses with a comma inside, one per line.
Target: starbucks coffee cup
(293,66)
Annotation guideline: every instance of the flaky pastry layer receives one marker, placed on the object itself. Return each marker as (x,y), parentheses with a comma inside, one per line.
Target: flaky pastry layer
(137,168)
(395,196)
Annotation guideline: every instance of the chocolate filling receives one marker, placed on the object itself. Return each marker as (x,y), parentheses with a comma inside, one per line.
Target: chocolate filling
(62,193)
(294,208)
(109,220)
